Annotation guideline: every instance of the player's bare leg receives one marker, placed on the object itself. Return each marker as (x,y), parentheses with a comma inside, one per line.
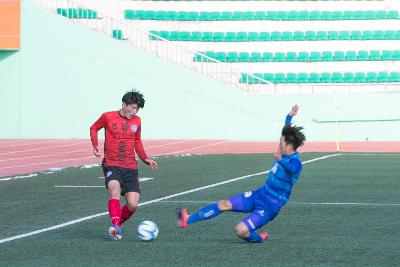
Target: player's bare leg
(132,201)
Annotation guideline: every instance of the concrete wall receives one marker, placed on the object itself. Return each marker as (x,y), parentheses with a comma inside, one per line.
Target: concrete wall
(66,75)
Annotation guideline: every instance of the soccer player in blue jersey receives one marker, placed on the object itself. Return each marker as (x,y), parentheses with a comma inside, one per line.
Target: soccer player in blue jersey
(263,203)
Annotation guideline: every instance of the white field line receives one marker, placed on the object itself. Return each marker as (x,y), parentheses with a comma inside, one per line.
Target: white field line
(150,202)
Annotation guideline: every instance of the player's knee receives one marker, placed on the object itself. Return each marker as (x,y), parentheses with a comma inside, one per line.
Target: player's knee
(241,230)
(224,204)
(132,206)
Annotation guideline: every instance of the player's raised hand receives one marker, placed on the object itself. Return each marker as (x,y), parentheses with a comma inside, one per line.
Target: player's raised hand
(278,155)
(96,152)
(294,110)
(152,164)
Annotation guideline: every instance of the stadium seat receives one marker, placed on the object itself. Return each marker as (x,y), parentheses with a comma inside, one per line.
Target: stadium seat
(396,55)
(363,55)
(351,56)
(393,14)
(371,14)
(383,76)
(279,57)
(219,36)
(372,77)
(221,56)
(153,37)
(337,77)
(208,36)
(344,35)
(215,15)
(161,15)
(356,35)
(303,77)
(205,15)
(174,36)
(374,55)
(149,15)
(270,15)
(253,36)
(227,15)
(387,55)
(348,77)
(368,35)
(164,34)
(259,15)
(314,77)
(192,16)
(339,56)
(292,77)
(281,15)
(196,36)
(276,36)
(287,36)
(315,56)
(264,36)
(395,76)
(267,57)
(269,77)
(293,15)
(299,36)
(231,37)
(381,14)
(117,34)
(244,57)
(279,78)
(326,15)
(333,35)
(304,56)
(209,54)
(360,77)
(184,36)
(327,56)
(359,15)
(348,15)
(172,15)
(315,15)
(322,35)
(255,57)
(390,35)
(242,37)
(310,36)
(291,57)
(258,75)
(326,77)
(233,57)
(378,35)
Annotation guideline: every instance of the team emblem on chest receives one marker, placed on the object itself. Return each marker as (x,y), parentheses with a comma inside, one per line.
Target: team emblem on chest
(134,128)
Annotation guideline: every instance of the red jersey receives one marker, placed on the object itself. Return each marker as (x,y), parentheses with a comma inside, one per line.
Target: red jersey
(122,139)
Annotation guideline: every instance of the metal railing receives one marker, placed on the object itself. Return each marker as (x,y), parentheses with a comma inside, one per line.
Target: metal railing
(181,55)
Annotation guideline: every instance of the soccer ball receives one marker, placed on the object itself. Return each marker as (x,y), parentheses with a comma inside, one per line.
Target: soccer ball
(147,231)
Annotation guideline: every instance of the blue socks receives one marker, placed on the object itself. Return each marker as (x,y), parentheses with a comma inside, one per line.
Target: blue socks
(254,237)
(205,213)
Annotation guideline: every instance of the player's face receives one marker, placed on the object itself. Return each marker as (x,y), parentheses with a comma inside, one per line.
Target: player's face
(130,110)
(286,149)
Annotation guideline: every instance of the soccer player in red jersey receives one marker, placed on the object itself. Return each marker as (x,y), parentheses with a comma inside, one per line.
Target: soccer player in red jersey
(122,139)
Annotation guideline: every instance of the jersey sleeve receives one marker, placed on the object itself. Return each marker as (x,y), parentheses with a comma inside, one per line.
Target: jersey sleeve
(139,145)
(99,124)
(288,119)
(291,166)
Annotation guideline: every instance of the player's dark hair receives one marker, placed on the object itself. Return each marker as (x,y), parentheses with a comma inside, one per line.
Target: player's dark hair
(293,135)
(133,97)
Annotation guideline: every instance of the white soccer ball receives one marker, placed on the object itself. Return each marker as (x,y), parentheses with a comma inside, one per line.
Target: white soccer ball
(147,231)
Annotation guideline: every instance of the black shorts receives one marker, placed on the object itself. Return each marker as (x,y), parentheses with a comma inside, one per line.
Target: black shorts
(127,178)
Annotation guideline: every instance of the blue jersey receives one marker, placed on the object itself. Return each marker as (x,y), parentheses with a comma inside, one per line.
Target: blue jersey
(283,175)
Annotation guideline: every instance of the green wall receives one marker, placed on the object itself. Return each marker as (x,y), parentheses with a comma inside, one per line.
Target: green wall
(66,75)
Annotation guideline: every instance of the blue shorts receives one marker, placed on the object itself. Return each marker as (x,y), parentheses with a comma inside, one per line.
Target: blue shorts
(262,206)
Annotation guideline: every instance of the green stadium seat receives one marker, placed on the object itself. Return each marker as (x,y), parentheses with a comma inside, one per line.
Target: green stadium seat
(221,56)
(253,36)
(337,15)
(231,36)
(348,77)
(396,55)
(196,36)
(209,54)
(172,15)
(161,15)
(348,15)
(233,57)
(360,77)
(379,35)
(153,37)
(304,57)
(267,57)
(303,15)
(398,35)
(371,15)
(208,36)
(260,76)
(293,15)
(326,15)
(390,35)
(215,15)
(322,35)
(227,15)
(242,37)
(393,14)
(326,77)
(128,14)
(256,57)
(72,13)
(314,77)
(271,15)
(302,77)
(192,16)
(359,15)
(281,15)
(248,15)
(374,55)
(387,55)
(164,34)
(287,36)
(372,77)
(63,12)
(260,15)
(140,14)
(269,77)
(279,57)
(174,36)
(291,57)
(363,55)
(117,34)
(279,78)
(198,56)
(219,36)
(299,36)
(368,35)
(315,56)
(264,36)
(311,36)
(383,76)
(244,57)
(395,76)
(315,15)
(237,15)
(337,77)
(149,15)
(333,35)
(276,36)
(183,15)
(356,35)
(339,56)
(344,35)
(184,36)
(87,13)
(351,56)
(205,16)
(244,78)
(327,56)
(292,77)
(381,14)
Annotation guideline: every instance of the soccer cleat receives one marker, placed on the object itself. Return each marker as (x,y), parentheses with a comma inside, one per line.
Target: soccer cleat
(114,232)
(264,236)
(183,216)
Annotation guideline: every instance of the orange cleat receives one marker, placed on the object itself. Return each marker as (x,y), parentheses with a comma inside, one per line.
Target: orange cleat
(183,217)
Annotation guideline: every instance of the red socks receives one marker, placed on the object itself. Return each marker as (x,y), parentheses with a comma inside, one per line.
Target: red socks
(126,213)
(114,210)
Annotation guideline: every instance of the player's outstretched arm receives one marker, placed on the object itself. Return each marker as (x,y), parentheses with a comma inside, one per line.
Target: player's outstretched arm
(294,110)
